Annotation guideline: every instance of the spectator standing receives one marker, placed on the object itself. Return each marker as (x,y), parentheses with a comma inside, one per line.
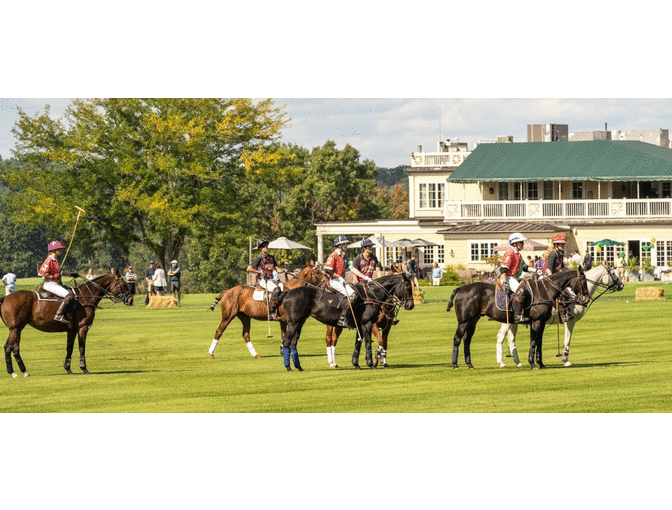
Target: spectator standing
(413,269)
(437,274)
(89,275)
(9,281)
(576,258)
(174,274)
(149,278)
(131,279)
(159,280)
(587,261)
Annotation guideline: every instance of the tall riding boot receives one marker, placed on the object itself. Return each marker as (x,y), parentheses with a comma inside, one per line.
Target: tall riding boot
(62,307)
(519,309)
(343,321)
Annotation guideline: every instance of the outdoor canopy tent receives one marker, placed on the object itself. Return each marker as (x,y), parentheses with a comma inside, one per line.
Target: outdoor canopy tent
(607,160)
(529,245)
(377,241)
(282,243)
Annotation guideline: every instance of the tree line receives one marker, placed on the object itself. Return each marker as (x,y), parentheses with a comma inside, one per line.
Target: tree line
(186,179)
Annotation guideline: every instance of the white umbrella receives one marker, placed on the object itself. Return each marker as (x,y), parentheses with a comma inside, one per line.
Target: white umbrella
(377,241)
(282,243)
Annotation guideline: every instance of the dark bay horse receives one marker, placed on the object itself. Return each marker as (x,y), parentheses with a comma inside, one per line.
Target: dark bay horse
(475,300)
(25,307)
(238,302)
(381,330)
(323,305)
(601,277)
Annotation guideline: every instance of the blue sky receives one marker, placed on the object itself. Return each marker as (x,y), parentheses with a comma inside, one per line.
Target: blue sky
(387,130)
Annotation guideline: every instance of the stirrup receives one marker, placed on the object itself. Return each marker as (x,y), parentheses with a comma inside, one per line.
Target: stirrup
(343,322)
(61,318)
(521,319)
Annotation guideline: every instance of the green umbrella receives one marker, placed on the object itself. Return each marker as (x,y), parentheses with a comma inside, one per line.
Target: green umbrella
(608,242)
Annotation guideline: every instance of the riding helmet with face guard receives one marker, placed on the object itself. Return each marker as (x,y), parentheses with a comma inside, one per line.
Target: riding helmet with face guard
(559,239)
(340,240)
(55,245)
(261,243)
(367,242)
(517,237)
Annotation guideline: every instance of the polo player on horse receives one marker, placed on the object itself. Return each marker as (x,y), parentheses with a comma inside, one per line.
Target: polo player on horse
(51,275)
(335,267)
(266,267)
(510,273)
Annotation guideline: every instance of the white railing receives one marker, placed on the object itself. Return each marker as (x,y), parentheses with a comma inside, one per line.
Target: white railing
(558,209)
(438,159)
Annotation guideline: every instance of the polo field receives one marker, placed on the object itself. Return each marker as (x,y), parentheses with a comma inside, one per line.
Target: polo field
(156,361)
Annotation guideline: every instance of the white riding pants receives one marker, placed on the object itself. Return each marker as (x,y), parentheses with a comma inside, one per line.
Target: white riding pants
(513,283)
(55,288)
(342,287)
(270,285)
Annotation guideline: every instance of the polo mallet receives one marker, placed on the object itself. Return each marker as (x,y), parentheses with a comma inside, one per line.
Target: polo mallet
(268,311)
(80,211)
(558,355)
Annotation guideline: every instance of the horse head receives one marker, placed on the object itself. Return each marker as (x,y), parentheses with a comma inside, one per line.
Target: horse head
(579,286)
(403,290)
(612,279)
(114,284)
(312,273)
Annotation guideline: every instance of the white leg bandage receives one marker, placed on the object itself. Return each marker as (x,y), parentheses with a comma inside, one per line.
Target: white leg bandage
(213,346)
(250,348)
(330,356)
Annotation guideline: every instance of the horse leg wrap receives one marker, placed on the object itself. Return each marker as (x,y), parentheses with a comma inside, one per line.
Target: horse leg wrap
(213,346)
(19,362)
(285,356)
(355,357)
(456,352)
(67,363)
(295,359)
(369,357)
(8,360)
(82,363)
(250,348)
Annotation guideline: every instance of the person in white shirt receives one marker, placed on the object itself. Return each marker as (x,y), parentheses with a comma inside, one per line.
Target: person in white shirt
(9,281)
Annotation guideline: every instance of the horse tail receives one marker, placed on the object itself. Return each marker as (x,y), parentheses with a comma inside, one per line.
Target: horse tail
(452,298)
(218,299)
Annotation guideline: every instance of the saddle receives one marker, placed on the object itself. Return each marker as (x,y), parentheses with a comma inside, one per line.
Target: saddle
(333,298)
(45,295)
(501,297)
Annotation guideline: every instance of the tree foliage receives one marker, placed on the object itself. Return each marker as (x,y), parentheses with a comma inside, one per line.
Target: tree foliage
(152,171)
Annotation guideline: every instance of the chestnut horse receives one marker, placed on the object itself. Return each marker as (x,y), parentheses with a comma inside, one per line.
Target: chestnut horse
(26,307)
(238,302)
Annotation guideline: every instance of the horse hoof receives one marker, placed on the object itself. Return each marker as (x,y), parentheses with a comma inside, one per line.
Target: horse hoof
(455,367)
(502,365)
(289,369)
(211,356)
(520,365)
(333,365)
(375,362)
(26,374)
(86,372)
(357,367)
(568,364)
(14,376)
(299,369)
(69,372)
(470,366)
(385,365)
(257,355)
(565,359)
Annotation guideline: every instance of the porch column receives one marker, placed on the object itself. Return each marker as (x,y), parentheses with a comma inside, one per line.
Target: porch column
(320,248)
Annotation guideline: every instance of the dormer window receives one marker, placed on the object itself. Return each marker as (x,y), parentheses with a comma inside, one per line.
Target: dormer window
(431,195)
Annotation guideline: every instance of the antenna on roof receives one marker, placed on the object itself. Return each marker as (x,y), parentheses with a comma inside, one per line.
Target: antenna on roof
(438,101)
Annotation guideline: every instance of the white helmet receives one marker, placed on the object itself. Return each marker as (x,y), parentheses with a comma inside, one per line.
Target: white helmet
(517,237)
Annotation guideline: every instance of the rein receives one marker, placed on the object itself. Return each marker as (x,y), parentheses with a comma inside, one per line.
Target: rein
(106,293)
(608,289)
(562,296)
(390,298)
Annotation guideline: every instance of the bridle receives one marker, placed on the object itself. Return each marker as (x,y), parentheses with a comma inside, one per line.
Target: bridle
(391,299)
(107,293)
(608,289)
(566,299)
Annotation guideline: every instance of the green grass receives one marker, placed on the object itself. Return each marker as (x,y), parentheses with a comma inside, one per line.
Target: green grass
(156,360)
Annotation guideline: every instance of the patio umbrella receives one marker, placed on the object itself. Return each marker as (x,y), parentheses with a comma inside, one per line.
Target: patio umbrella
(405,243)
(528,245)
(377,241)
(422,242)
(608,242)
(282,243)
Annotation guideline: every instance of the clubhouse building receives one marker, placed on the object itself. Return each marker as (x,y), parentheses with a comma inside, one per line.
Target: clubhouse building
(462,203)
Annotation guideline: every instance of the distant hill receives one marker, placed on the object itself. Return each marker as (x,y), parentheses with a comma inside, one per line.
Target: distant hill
(388,177)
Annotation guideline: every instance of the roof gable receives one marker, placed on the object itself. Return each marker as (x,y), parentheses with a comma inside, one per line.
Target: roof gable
(566,161)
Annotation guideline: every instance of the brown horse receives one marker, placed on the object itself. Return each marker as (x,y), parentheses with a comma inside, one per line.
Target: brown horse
(238,302)
(381,329)
(26,307)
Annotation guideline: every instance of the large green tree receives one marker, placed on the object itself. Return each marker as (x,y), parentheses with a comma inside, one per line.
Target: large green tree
(153,171)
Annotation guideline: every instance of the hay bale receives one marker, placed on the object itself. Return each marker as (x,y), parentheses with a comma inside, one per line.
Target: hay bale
(418,296)
(162,302)
(650,293)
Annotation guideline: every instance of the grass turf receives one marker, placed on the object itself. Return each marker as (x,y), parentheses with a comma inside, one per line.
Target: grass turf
(156,360)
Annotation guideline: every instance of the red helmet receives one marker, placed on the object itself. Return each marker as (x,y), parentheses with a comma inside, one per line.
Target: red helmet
(559,238)
(55,245)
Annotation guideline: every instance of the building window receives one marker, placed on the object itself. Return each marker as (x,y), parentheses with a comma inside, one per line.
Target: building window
(431,195)
(577,190)
(607,253)
(666,190)
(429,254)
(440,255)
(517,188)
(480,250)
(548,190)
(663,253)
(532,191)
(503,190)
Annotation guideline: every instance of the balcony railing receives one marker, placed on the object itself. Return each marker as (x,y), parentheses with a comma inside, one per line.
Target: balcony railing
(560,209)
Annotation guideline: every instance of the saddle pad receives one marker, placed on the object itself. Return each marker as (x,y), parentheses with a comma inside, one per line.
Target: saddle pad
(259,295)
(500,300)
(43,295)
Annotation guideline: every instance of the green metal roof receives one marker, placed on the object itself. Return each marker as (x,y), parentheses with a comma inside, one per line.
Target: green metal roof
(566,161)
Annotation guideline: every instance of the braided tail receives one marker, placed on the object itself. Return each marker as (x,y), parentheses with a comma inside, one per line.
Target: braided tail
(213,305)
(452,298)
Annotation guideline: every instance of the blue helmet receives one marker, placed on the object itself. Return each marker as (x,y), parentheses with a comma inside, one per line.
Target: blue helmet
(340,240)
(367,242)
